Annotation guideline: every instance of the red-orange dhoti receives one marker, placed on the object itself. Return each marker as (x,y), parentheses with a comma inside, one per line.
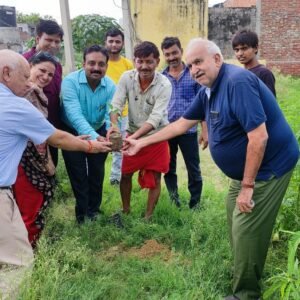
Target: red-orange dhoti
(153,158)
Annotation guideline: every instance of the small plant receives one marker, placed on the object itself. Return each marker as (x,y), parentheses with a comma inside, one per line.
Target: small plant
(287,283)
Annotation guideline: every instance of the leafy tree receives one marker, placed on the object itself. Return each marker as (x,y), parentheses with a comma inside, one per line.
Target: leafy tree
(89,30)
(32,18)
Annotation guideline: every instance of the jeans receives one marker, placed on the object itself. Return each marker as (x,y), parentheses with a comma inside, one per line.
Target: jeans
(188,144)
(117,156)
(86,173)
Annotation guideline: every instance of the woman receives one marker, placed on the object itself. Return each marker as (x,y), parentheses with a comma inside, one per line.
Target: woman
(35,182)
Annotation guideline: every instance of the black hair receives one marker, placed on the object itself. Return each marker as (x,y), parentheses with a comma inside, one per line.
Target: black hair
(170,41)
(49,27)
(114,32)
(245,37)
(95,48)
(42,56)
(145,49)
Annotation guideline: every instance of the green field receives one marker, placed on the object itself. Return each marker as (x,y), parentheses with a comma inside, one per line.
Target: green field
(177,255)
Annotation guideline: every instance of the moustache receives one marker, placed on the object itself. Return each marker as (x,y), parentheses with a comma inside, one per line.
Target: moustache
(145,70)
(172,61)
(96,72)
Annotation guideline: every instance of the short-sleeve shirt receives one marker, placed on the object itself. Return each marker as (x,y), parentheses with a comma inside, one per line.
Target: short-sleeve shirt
(115,70)
(239,102)
(148,106)
(52,91)
(19,122)
(83,109)
(266,76)
(184,90)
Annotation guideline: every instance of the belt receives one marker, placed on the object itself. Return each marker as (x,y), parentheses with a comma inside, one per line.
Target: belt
(5,187)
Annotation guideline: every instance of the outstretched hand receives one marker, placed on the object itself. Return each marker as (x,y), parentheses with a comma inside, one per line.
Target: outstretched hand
(100,146)
(131,146)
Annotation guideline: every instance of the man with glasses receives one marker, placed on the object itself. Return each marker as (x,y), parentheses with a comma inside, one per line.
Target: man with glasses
(49,36)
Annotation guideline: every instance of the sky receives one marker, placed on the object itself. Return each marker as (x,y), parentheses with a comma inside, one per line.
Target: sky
(109,8)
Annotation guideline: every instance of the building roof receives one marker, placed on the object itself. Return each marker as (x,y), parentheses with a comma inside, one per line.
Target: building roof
(239,3)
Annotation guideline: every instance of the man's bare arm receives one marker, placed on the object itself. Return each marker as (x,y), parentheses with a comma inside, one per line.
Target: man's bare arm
(67,141)
(257,141)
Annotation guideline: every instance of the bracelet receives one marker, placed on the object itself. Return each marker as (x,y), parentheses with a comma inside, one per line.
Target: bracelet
(245,185)
(89,150)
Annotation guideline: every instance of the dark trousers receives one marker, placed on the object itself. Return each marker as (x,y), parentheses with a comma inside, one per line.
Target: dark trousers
(54,155)
(86,174)
(188,144)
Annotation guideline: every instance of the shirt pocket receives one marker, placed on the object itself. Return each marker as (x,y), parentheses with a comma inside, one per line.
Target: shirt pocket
(148,106)
(215,124)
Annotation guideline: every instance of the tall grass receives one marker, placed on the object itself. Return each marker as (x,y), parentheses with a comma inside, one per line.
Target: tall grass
(97,261)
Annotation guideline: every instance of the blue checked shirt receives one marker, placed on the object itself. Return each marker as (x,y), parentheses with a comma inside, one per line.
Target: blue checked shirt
(184,91)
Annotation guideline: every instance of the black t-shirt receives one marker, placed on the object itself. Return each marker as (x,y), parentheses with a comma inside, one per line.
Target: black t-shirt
(266,76)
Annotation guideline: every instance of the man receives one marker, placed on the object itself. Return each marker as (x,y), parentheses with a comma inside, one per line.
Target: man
(251,142)
(49,36)
(117,65)
(184,89)
(245,46)
(19,122)
(86,95)
(148,94)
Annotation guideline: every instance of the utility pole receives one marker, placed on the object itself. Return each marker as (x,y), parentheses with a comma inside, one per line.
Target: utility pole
(68,42)
(128,29)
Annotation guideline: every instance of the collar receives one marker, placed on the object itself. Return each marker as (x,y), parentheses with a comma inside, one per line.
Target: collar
(167,69)
(154,80)
(83,79)
(4,87)
(219,78)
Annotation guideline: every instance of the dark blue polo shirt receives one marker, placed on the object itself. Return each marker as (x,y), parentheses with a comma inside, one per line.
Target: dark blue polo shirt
(240,102)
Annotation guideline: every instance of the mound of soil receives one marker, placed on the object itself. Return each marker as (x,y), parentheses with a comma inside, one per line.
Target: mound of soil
(149,249)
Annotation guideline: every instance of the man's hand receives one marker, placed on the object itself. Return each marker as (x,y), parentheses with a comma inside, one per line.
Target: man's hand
(203,140)
(100,146)
(131,146)
(111,130)
(243,200)
(101,139)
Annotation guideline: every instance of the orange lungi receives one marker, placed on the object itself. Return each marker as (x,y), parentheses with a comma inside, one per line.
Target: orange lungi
(153,158)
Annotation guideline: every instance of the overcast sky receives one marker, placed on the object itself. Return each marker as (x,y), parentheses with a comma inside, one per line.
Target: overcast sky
(109,8)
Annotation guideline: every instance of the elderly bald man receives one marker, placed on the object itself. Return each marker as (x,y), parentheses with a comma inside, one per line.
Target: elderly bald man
(251,142)
(19,122)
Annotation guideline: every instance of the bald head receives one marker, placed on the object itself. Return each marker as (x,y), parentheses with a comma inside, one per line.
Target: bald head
(14,72)
(204,59)
(209,46)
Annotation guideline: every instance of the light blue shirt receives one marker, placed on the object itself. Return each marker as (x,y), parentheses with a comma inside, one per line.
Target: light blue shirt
(83,109)
(19,122)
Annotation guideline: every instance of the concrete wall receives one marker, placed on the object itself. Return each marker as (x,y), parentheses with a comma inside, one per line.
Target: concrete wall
(280,35)
(155,19)
(10,39)
(223,23)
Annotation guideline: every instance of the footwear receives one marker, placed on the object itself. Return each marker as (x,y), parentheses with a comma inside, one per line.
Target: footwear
(116,219)
(114,182)
(176,201)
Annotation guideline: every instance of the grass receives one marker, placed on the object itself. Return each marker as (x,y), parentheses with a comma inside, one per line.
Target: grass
(177,255)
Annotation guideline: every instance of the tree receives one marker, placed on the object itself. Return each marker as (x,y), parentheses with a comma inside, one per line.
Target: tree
(32,18)
(89,30)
